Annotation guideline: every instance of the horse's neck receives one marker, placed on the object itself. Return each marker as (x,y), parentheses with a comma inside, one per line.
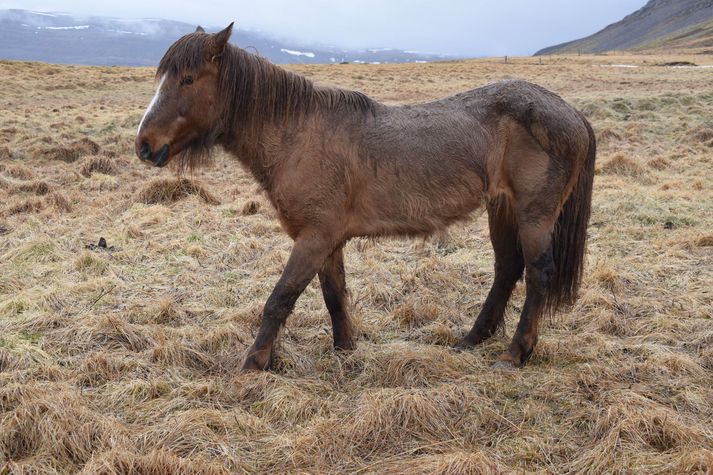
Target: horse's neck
(264,153)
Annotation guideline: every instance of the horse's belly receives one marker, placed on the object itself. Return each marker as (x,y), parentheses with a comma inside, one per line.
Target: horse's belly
(419,208)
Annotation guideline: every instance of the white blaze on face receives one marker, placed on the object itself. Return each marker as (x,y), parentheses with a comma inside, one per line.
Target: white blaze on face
(152,105)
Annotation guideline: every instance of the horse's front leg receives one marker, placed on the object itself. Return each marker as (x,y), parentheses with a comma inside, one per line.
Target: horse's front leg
(307,257)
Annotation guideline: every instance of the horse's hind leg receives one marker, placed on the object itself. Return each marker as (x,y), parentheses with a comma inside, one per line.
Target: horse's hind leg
(334,290)
(536,241)
(509,265)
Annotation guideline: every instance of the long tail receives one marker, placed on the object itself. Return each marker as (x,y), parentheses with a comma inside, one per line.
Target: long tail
(570,234)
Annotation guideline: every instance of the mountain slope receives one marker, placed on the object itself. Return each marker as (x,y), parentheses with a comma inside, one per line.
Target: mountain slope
(681,24)
(101,41)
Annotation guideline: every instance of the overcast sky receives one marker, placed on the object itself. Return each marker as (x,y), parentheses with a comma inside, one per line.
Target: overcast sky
(461,27)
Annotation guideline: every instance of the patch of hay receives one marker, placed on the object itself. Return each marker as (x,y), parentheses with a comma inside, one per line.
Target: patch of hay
(37,187)
(396,420)
(101,367)
(103,332)
(453,463)
(705,241)
(195,432)
(701,135)
(278,400)
(607,135)
(621,164)
(659,163)
(59,202)
(412,314)
(88,262)
(634,426)
(164,462)
(402,365)
(100,182)
(58,425)
(250,207)
(32,205)
(18,172)
(73,151)
(170,190)
(181,354)
(99,164)
(437,333)
(166,312)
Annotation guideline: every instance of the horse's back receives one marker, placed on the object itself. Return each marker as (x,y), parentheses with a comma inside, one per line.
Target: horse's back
(555,124)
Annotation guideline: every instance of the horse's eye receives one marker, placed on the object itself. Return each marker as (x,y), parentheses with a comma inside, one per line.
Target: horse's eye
(187,81)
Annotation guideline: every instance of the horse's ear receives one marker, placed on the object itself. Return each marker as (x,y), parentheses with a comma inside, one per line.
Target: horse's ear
(200,29)
(220,40)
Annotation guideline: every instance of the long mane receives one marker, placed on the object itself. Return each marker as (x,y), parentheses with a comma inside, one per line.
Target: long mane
(254,92)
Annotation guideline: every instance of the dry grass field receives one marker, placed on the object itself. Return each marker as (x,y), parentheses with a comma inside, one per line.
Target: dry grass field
(125,358)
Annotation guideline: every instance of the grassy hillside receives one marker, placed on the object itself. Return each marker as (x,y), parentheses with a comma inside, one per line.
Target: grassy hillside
(672,25)
(126,357)
(696,39)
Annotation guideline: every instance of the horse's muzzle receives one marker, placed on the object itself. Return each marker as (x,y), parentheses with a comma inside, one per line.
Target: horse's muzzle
(158,158)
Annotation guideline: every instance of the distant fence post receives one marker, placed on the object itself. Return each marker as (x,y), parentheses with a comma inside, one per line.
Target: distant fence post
(506,60)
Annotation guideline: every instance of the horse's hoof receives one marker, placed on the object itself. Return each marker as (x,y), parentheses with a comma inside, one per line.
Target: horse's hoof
(258,361)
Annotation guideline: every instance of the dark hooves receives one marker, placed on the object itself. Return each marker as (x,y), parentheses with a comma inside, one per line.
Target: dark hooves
(258,361)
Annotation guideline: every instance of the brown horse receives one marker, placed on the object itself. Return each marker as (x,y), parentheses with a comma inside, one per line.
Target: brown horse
(337,164)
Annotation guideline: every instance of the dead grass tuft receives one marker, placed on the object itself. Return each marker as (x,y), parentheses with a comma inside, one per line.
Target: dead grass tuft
(194,432)
(31,205)
(100,164)
(181,354)
(659,163)
(395,420)
(607,135)
(701,135)
(280,401)
(18,172)
(170,190)
(412,314)
(72,152)
(453,463)
(59,202)
(89,262)
(102,367)
(403,365)
(621,164)
(37,187)
(56,425)
(164,462)
(166,312)
(102,332)
(251,207)
(705,241)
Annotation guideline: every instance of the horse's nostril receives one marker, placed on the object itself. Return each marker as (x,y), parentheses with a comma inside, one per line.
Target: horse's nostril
(145,151)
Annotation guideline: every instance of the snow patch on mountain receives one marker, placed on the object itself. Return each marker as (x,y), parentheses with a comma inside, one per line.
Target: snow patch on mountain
(78,27)
(297,53)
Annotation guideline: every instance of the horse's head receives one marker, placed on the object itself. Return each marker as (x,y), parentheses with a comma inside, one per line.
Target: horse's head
(183,115)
